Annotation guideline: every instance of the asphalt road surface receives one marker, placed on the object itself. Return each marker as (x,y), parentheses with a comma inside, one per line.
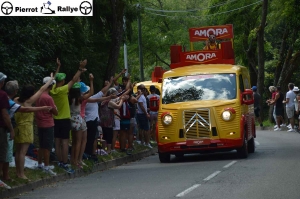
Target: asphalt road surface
(272,172)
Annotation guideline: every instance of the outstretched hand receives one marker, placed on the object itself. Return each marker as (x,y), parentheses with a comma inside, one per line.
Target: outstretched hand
(124,71)
(58,62)
(83,63)
(91,76)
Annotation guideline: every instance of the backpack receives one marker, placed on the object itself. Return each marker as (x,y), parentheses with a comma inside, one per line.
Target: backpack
(125,111)
(106,115)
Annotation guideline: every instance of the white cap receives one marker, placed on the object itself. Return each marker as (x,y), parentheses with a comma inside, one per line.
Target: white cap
(296,89)
(46,79)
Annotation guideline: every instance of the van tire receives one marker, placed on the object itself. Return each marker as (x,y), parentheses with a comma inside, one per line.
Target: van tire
(164,157)
(243,151)
(251,145)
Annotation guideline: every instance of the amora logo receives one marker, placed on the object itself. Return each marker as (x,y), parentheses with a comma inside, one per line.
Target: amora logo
(45,9)
(200,57)
(217,32)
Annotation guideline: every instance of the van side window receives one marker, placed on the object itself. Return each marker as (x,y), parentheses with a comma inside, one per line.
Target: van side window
(241,83)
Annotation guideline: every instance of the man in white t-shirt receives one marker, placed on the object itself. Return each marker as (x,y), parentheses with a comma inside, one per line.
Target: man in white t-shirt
(290,106)
(153,114)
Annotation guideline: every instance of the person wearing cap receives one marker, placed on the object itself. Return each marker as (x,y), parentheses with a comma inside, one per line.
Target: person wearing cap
(45,123)
(24,124)
(78,124)
(5,123)
(153,114)
(62,123)
(256,105)
(11,88)
(290,106)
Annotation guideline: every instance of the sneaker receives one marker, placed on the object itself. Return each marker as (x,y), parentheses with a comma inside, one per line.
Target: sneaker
(278,129)
(49,166)
(39,167)
(138,142)
(289,126)
(283,124)
(2,184)
(276,126)
(129,151)
(148,145)
(68,169)
(49,171)
(291,130)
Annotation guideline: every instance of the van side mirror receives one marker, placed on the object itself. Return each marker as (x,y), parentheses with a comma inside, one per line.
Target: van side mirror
(247,97)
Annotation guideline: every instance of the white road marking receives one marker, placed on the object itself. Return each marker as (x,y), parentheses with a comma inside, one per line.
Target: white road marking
(212,175)
(257,143)
(187,190)
(228,165)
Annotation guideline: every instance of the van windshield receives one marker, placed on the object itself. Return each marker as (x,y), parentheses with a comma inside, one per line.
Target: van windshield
(199,87)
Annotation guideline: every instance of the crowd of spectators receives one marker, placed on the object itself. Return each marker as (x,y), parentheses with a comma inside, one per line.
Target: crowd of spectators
(68,115)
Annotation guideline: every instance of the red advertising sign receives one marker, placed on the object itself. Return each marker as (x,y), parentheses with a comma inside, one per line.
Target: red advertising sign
(202,33)
(201,57)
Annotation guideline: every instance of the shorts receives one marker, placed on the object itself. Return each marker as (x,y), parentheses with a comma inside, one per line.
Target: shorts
(62,128)
(117,125)
(107,134)
(10,146)
(125,124)
(290,112)
(132,121)
(153,118)
(279,111)
(143,122)
(256,111)
(78,123)
(3,144)
(46,138)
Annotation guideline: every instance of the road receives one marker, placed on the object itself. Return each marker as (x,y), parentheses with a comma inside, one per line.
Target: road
(271,172)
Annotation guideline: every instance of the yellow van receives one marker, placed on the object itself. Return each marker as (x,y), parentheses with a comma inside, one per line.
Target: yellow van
(147,84)
(205,107)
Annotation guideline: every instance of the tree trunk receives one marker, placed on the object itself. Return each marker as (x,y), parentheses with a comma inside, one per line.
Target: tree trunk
(261,54)
(116,34)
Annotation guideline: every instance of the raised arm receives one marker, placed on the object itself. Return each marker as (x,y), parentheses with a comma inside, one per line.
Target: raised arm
(101,99)
(105,89)
(58,66)
(118,76)
(91,92)
(24,109)
(37,95)
(80,70)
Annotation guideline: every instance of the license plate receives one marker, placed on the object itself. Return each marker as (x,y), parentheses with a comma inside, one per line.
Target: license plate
(197,142)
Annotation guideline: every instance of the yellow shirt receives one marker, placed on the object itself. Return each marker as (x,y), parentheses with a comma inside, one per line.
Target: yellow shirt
(212,46)
(60,97)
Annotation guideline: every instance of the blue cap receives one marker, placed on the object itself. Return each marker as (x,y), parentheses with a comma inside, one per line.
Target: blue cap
(254,88)
(84,88)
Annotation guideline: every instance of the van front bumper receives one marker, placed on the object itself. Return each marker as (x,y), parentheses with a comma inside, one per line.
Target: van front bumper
(203,145)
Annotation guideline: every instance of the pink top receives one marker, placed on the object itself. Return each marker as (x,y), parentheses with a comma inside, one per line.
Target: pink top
(82,112)
(274,95)
(44,119)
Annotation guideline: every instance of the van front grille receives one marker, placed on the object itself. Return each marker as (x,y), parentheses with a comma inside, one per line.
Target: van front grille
(196,123)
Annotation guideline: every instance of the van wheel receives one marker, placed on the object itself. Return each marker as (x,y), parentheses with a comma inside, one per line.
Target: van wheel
(180,155)
(251,146)
(243,151)
(164,157)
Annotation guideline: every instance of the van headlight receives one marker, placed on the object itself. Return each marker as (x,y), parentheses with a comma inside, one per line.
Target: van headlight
(167,119)
(226,115)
